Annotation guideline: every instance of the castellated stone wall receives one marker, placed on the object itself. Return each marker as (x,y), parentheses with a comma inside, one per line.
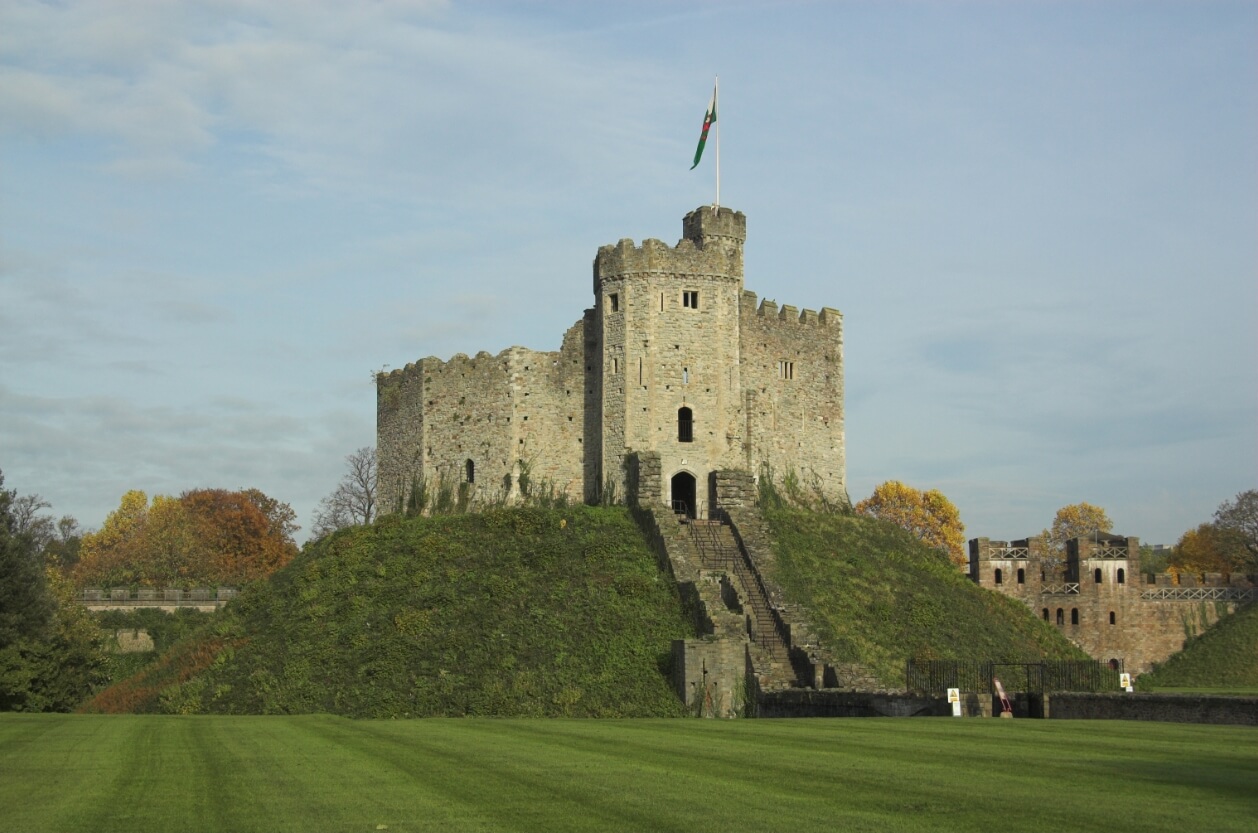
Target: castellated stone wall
(674,361)
(792,374)
(1095,595)
(521,410)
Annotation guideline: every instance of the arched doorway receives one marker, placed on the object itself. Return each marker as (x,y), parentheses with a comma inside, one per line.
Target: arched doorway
(683,492)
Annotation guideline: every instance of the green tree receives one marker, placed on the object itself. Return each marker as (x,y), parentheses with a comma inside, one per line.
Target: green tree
(1239,517)
(929,515)
(26,607)
(51,656)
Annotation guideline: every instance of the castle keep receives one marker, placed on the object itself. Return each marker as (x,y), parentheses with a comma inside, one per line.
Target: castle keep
(674,373)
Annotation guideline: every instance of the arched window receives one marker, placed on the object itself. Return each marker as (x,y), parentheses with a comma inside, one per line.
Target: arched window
(685,426)
(1000,576)
(1061,617)
(1122,576)
(1112,620)
(1096,575)
(1045,614)
(471,472)
(1074,615)
(1021,576)
(1113,665)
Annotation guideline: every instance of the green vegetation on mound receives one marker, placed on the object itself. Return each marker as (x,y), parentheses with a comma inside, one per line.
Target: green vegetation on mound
(878,596)
(165,629)
(526,612)
(1224,657)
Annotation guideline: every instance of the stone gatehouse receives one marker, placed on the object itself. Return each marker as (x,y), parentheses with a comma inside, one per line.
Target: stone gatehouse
(674,358)
(1097,595)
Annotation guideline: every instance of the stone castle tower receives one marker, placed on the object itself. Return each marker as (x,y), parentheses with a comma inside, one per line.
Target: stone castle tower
(673,374)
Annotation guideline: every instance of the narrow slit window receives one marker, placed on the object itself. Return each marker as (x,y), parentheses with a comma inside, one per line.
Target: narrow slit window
(685,375)
(615,366)
(1112,618)
(685,426)
(639,371)
(471,472)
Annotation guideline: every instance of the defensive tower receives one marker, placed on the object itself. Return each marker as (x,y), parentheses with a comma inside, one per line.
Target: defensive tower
(675,362)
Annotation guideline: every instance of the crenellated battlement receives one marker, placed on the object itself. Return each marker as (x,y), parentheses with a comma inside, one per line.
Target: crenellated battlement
(672,358)
(656,258)
(828,317)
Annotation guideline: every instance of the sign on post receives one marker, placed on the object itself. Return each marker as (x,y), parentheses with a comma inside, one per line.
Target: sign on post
(954,697)
(1124,682)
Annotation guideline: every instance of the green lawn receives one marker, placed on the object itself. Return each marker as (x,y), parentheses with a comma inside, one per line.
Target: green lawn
(320,773)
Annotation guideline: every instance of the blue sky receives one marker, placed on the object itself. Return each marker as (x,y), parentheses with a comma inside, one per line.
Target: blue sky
(1040,220)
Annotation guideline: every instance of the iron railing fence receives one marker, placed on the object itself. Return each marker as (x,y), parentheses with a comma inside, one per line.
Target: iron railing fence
(935,677)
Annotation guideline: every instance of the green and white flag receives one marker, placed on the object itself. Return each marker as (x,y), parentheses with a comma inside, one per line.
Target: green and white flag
(709,118)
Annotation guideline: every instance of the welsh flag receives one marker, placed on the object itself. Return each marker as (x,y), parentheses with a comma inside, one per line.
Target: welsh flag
(708,118)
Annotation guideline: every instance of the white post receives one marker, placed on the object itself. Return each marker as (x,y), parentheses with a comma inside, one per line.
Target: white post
(716,104)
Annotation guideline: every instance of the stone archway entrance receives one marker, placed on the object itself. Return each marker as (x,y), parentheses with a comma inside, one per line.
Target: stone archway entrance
(683,493)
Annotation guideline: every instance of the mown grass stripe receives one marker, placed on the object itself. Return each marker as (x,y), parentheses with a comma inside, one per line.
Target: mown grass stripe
(324,773)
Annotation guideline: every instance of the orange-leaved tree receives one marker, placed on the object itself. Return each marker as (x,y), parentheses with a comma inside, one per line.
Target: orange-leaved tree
(205,536)
(928,515)
(1209,549)
(1078,520)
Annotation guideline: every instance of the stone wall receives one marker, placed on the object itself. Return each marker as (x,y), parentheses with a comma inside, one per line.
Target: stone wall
(670,342)
(792,376)
(710,675)
(1173,708)
(674,359)
(1095,595)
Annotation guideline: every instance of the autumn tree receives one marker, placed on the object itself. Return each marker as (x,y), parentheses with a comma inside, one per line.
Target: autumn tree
(210,536)
(1209,549)
(237,540)
(1077,520)
(353,502)
(928,515)
(112,554)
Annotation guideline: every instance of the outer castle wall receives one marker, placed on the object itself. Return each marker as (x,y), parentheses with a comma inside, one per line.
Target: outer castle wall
(1098,598)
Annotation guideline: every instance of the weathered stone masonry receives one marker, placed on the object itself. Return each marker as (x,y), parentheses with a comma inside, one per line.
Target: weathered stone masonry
(1100,600)
(674,358)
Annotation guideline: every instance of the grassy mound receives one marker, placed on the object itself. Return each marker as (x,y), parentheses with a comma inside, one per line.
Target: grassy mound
(525,612)
(878,597)
(1224,657)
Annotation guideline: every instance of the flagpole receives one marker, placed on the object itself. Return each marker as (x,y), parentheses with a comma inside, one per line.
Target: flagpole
(716,86)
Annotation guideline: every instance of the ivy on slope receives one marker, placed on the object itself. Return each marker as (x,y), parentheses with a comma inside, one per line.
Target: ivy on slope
(528,612)
(1225,656)
(878,596)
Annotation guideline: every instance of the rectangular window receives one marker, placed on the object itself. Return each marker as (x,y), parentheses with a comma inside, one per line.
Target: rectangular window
(614,301)
(786,370)
(690,298)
